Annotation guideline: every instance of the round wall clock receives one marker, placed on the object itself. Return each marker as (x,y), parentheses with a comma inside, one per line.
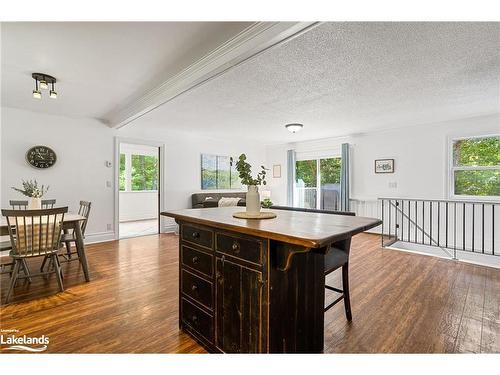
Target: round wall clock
(41,157)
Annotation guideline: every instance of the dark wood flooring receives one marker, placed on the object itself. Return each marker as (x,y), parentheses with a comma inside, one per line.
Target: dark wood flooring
(401,302)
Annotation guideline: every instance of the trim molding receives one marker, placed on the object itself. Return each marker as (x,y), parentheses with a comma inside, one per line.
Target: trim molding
(99,237)
(249,43)
(173,228)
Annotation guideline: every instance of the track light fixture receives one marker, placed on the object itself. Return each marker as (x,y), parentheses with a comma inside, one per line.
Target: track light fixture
(36,92)
(42,81)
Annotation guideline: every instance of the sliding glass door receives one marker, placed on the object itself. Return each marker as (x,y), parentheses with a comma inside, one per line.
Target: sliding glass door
(317,183)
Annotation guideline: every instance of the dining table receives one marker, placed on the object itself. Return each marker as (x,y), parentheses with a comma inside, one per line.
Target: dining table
(71,221)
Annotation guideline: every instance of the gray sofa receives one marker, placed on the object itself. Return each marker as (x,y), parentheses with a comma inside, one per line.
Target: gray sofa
(199,200)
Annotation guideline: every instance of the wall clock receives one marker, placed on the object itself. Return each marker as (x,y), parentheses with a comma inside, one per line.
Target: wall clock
(41,157)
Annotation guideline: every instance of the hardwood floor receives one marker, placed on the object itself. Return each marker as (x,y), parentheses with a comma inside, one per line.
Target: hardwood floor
(401,303)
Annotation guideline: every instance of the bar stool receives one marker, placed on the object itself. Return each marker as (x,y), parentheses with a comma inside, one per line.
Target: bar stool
(334,259)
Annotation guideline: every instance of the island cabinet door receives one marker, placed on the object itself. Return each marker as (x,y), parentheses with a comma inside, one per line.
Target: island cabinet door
(239,308)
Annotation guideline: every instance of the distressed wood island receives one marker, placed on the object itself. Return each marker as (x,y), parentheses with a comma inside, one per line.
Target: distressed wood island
(257,286)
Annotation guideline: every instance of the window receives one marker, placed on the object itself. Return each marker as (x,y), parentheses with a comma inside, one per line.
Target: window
(317,183)
(475,167)
(138,172)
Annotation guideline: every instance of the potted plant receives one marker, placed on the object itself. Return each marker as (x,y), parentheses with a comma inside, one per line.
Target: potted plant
(33,192)
(245,172)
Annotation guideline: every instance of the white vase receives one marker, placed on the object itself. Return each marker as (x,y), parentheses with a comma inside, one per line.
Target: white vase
(253,200)
(35,203)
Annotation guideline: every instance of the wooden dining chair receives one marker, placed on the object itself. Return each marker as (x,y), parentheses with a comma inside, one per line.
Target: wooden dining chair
(48,203)
(34,233)
(18,205)
(335,258)
(69,237)
(5,244)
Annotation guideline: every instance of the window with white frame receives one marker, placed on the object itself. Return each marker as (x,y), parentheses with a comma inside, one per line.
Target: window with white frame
(317,183)
(475,167)
(138,172)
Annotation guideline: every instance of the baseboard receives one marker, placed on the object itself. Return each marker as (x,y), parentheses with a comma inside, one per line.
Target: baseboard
(171,228)
(99,237)
(462,256)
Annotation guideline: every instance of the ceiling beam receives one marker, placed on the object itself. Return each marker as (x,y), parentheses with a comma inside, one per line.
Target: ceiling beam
(249,43)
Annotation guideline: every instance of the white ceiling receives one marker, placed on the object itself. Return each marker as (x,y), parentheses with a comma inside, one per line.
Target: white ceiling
(347,78)
(337,79)
(99,65)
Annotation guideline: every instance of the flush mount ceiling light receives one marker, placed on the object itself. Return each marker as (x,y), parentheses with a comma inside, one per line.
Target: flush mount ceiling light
(42,81)
(294,128)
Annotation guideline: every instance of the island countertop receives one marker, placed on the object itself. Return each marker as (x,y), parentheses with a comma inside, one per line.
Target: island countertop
(309,229)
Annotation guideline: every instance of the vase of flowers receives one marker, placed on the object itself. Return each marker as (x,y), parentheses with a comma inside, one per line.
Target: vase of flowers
(252,197)
(35,193)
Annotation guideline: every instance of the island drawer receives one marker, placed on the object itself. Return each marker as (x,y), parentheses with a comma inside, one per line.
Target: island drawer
(240,247)
(197,288)
(197,260)
(198,235)
(199,320)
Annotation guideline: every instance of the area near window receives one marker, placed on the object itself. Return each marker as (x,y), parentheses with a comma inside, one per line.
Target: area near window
(138,172)
(317,183)
(475,167)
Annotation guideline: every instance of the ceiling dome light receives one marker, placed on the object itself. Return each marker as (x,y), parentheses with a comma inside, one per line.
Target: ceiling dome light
(42,81)
(294,128)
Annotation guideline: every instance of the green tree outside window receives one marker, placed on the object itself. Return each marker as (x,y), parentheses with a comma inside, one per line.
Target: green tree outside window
(476,167)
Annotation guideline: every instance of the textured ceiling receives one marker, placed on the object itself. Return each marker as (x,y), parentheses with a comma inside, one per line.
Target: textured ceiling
(99,64)
(347,78)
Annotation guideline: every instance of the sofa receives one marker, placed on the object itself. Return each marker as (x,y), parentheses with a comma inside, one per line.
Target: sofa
(204,200)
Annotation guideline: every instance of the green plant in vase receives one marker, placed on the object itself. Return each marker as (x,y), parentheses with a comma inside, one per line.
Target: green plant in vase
(267,203)
(31,190)
(245,172)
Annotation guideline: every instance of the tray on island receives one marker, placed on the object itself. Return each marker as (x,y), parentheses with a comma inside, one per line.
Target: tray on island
(262,215)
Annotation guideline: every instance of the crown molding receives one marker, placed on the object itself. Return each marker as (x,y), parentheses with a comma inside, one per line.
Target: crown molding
(255,39)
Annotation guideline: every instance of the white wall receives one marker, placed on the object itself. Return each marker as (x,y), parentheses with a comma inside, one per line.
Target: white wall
(138,205)
(420,154)
(84,145)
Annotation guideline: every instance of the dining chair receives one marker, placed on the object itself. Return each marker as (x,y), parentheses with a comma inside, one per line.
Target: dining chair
(335,258)
(69,237)
(48,203)
(19,205)
(5,244)
(34,233)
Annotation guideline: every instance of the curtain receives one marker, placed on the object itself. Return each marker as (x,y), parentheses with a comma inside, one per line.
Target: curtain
(344,178)
(290,160)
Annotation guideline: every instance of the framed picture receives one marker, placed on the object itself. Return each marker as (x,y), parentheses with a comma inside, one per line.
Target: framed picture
(384,166)
(277,171)
(218,172)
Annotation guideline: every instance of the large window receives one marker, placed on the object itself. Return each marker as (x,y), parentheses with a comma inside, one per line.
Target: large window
(475,167)
(138,172)
(317,183)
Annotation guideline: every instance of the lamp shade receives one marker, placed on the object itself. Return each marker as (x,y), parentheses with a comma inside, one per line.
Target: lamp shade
(294,128)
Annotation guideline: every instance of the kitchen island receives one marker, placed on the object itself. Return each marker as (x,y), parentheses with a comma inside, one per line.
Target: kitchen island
(257,286)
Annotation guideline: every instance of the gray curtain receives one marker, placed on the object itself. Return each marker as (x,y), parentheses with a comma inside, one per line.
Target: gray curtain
(344,178)
(290,163)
